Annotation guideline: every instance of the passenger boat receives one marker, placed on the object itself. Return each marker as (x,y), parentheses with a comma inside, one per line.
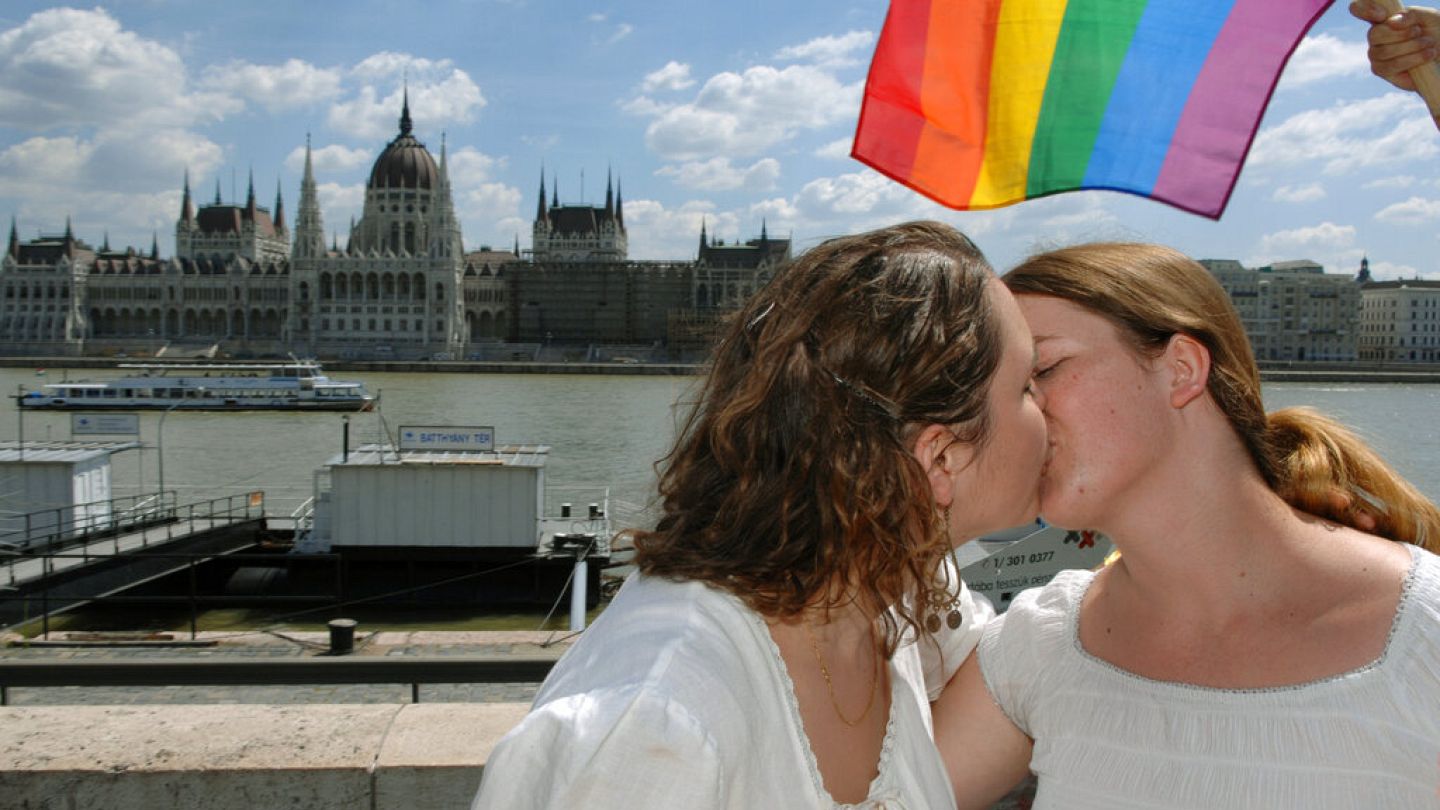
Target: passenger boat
(294,386)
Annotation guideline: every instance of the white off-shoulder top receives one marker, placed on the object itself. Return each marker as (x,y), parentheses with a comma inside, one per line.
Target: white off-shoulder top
(1108,738)
(677,698)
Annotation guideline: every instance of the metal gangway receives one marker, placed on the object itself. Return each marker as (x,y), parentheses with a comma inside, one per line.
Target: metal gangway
(53,540)
(60,562)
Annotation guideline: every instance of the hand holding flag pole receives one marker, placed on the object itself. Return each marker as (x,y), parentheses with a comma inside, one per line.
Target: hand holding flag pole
(1427,76)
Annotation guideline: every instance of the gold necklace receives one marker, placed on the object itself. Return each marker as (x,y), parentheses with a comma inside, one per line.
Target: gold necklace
(830,685)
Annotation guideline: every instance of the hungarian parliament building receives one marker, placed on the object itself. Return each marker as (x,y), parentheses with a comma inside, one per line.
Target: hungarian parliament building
(243,283)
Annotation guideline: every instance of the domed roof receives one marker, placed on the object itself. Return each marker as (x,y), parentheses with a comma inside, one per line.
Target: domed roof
(405,163)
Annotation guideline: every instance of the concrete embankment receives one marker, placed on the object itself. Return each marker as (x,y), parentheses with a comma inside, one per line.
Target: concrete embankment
(241,757)
(247,747)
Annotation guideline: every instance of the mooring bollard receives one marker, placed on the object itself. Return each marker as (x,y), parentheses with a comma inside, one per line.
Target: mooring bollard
(342,636)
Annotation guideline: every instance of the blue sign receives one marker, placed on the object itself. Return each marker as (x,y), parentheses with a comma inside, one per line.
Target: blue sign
(447,438)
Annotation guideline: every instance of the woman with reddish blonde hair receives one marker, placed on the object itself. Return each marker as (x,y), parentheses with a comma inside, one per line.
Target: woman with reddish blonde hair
(1269,636)
(792,616)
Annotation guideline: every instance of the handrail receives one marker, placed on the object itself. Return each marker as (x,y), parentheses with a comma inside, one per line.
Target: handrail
(414,670)
(226,508)
(62,523)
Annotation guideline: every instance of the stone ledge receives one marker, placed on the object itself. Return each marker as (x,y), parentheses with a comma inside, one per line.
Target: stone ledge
(248,756)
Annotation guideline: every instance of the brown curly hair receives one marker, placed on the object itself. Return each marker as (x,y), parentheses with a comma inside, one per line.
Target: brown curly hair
(1150,293)
(792,484)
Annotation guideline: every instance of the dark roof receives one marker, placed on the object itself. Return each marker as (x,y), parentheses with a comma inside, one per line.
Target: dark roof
(578,218)
(231,219)
(750,255)
(50,250)
(1401,284)
(405,163)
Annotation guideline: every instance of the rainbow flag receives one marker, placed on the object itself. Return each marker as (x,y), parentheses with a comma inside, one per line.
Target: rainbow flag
(984,103)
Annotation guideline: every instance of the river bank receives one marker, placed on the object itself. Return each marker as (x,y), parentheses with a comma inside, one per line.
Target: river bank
(1357,372)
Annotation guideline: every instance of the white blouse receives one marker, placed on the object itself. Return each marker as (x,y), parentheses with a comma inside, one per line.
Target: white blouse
(677,698)
(1108,738)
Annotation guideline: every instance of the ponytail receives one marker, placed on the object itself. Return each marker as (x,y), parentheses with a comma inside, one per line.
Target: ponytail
(1323,468)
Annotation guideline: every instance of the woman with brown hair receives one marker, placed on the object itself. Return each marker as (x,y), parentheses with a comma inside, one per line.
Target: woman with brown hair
(1251,647)
(791,618)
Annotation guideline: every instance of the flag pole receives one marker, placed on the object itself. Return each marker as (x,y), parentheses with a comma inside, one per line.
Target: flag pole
(1427,76)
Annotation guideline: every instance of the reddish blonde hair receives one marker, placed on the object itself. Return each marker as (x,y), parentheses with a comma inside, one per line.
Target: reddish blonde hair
(1151,293)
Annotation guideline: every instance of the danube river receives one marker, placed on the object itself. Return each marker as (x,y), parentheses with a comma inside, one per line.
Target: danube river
(602,430)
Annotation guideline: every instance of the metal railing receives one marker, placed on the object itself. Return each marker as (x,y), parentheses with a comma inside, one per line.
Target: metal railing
(80,521)
(414,670)
(179,520)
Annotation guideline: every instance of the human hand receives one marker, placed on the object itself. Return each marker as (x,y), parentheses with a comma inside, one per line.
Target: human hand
(1399,42)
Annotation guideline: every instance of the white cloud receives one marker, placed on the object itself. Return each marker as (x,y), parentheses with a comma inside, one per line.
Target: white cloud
(1387,270)
(739,114)
(1323,56)
(75,68)
(469,167)
(657,232)
(286,86)
(1317,242)
(1309,192)
(1397,181)
(831,51)
(1350,135)
(439,93)
(858,193)
(123,161)
(327,159)
(716,174)
(621,30)
(838,149)
(1414,211)
(490,201)
(674,76)
(338,205)
(43,162)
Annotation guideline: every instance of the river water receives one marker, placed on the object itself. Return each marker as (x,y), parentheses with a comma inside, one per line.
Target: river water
(603,431)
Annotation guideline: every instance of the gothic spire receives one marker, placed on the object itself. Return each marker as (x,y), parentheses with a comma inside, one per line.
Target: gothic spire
(14,248)
(517,244)
(217,190)
(187,209)
(609,197)
(250,194)
(279,208)
(105,244)
(309,229)
(702,235)
(764,237)
(540,207)
(405,125)
(619,205)
(154,244)
(555,188)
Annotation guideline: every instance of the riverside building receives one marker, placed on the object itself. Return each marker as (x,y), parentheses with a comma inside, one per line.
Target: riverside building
(1293,310)
(1400,321)
(402,286)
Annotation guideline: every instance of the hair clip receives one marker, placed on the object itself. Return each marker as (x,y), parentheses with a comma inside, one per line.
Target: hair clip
(885,408)
(1374,502)
(761,316)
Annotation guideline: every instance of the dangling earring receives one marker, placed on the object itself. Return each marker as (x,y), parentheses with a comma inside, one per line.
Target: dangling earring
(932,621)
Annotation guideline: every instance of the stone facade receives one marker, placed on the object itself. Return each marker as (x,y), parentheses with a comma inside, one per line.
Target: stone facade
(402,286)
(1400,321)
(1293,311)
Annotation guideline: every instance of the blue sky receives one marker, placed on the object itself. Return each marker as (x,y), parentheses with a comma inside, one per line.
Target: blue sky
(731,112)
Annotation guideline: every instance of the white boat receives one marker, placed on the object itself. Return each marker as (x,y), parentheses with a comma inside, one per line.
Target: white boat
(294,386)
